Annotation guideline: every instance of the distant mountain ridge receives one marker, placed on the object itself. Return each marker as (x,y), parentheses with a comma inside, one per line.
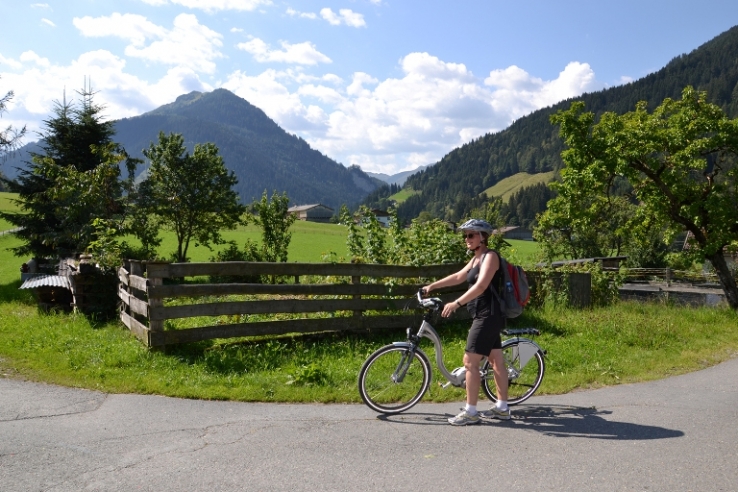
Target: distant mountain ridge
(261,154)
(451,187)
(397,179)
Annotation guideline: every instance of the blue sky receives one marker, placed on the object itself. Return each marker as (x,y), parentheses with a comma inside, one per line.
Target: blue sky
(386,84)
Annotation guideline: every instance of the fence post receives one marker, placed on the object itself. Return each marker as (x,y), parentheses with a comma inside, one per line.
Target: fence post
(155,327)
(668,277)
(580,289)
(356,280)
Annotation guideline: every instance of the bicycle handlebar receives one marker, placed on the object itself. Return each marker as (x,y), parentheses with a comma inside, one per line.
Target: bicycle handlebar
(430,303)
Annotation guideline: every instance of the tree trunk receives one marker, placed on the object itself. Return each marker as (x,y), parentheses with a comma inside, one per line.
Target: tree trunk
(727,281)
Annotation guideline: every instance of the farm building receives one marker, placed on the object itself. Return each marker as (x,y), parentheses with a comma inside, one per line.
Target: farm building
(313,213)
(515,232)
(382,216)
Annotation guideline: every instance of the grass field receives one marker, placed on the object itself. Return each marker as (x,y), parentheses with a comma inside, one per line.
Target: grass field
(510,185)
(310,241)
(403,195)
(7,205)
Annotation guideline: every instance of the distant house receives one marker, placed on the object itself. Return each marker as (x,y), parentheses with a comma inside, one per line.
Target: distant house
(515,232)
(382,216)
(313,213)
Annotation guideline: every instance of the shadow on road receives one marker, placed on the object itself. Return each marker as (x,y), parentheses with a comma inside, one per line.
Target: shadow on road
(556,421)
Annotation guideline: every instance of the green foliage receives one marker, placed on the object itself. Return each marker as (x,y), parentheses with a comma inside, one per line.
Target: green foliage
(250,252)
(423,243)
(680,161)
(552,285)
(584,225)
(190,194)
(275,224)
(75,181)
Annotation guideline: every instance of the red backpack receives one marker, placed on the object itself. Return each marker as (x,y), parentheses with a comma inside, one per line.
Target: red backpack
(515,289)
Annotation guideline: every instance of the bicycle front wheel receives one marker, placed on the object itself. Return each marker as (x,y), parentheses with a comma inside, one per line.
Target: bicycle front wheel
(394,378)
(525,368)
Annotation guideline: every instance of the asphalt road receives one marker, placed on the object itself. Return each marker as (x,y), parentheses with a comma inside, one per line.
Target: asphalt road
(676,434)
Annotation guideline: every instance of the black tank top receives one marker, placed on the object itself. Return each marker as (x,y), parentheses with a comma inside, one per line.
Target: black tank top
(485,304)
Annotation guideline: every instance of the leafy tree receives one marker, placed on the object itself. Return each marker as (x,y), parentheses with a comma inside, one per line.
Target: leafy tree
(680,160)
(74,181)
(584,225)
(9,137)
(275,223)
(190,194)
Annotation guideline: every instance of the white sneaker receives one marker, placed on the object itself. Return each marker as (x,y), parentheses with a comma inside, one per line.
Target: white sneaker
(464,418)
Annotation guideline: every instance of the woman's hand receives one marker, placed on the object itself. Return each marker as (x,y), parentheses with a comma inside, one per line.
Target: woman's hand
(450,308)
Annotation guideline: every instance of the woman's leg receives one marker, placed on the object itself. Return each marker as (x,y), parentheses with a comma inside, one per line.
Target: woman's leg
(498,366)
(473,381)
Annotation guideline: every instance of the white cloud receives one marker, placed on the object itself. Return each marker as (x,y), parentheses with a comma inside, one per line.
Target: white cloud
(344,16)
(306,15)
(400,123)
(189,44)
(41,6)
(30,56)
(14,64)
(48,22)
(213,5)
(300,53)
(37,84)
(236,29)
(518,93)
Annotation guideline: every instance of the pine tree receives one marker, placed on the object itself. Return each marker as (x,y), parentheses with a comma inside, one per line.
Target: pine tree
(79,161)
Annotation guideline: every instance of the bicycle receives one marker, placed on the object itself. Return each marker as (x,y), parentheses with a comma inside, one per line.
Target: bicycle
(396,377)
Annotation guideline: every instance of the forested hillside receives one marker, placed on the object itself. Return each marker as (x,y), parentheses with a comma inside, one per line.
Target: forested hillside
(262,155)
(531,144)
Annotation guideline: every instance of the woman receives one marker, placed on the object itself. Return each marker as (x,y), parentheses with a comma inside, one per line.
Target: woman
(484,334)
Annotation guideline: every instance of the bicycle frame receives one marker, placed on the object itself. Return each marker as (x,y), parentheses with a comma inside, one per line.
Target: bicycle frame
(458,376)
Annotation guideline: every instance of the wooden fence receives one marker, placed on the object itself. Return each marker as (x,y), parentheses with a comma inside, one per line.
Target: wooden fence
(362,290)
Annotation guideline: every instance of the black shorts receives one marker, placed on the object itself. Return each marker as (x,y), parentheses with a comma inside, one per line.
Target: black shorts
(484,335)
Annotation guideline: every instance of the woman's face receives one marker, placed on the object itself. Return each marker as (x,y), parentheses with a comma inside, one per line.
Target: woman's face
(472,239)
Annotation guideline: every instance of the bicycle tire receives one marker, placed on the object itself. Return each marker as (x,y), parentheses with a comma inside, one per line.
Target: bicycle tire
(384,394)
(523,381)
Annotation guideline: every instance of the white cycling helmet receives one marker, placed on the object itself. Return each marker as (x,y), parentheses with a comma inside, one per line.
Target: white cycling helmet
(477,225)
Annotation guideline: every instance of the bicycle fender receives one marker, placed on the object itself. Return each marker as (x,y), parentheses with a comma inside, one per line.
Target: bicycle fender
(526,349)
(406,345)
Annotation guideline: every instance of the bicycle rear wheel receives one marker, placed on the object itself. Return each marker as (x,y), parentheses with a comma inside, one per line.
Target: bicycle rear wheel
(394,378)
(525,369)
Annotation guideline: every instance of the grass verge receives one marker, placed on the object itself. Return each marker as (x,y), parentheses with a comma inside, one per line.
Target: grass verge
(586,349)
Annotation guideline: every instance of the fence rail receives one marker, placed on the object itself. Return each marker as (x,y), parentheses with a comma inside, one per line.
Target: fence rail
(668,275)
(366,299)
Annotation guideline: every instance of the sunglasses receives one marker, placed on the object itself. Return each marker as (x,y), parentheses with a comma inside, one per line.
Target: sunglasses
(469,235)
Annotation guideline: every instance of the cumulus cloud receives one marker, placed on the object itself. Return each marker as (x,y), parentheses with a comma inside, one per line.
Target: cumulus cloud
(518,93)
(300,53)
(345,16)
(38,83)
(30,56)
(213,5)
(305,15)
(188,44)
(400,123)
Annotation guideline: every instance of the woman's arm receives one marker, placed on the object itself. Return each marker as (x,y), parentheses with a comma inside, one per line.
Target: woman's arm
(486,272)
(453,279)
